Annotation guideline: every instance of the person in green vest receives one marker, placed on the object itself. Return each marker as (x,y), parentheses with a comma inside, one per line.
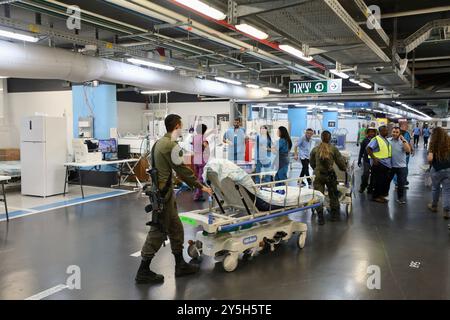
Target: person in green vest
(379,150)
(361,134)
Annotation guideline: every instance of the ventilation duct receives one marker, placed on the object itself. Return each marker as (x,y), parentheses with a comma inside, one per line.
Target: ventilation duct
(39,62)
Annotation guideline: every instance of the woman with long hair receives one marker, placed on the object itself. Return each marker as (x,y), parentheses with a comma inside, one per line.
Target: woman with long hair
(323,157)
(439,158)
(263,149)
(284,147)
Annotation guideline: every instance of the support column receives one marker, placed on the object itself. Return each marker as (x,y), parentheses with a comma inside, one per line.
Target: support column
(298,118)
(330,117)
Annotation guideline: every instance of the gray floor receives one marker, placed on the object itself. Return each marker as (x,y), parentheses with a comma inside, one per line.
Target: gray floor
(100,236)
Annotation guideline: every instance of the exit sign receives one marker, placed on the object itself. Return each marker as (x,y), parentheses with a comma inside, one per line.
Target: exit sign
(315,87)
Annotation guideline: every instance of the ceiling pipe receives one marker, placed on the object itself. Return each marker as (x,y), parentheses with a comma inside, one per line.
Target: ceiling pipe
(271,44)
(155,11)
(415,12)
(32,61)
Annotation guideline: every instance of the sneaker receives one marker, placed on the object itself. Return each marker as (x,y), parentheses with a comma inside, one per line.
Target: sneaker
(446,214)
(380,200)
(401,201)
(432,208)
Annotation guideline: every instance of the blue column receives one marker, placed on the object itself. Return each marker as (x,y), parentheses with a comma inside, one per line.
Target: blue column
(329,116)
(99,102)
(298,118)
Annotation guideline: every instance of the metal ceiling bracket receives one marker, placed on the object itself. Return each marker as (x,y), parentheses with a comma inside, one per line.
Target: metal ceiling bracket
(171,25)
(356,29)
(232,12)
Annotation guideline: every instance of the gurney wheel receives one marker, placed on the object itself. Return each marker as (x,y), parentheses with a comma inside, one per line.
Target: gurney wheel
(301,240)
(193,251)
(230,262)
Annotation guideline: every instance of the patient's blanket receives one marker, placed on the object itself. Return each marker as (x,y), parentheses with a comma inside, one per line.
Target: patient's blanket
(281,196)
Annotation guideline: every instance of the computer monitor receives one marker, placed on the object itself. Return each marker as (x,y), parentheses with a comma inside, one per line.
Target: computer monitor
(107,145)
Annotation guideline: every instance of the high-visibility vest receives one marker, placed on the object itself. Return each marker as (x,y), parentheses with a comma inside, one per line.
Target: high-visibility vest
(385,148)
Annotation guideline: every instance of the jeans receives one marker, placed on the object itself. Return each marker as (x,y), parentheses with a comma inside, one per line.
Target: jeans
(282,175)
(416,140)
(260,168)
(382,180)
(407,170)
(401,174)
(438,178)
(425,141)
(305,169)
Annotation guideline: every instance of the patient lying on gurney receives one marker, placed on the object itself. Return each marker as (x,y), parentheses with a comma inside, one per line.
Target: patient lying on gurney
(224,175)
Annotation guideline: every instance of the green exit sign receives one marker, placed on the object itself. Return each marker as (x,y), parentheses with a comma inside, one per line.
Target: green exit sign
(315,87)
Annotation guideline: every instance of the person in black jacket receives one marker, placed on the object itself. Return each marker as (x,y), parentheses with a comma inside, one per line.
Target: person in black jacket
(363,156)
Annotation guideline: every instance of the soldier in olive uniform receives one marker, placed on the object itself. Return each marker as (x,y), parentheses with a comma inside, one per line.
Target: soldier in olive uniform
(322,158)
(167,157)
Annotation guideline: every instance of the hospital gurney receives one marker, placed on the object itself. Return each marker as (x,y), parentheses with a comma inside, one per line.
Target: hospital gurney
(244,218)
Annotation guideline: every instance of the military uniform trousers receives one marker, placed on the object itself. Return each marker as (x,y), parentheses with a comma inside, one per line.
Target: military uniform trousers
(172,224)
(330,181)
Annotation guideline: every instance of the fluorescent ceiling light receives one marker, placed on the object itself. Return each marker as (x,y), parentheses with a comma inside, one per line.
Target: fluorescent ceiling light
(252,31)
(344,110)
(365,85)
(228,80)
(252,86)
(340,104)
(353,80)
(380,111)
(332,109)
(203,8)
(3,77)
(17,36)
(295,52)
(151,64)
(340,74)
(154,91)
(271,89)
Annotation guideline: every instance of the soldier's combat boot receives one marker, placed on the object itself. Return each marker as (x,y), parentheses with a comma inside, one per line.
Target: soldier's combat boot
(182,268)
(320,218)
(145,275)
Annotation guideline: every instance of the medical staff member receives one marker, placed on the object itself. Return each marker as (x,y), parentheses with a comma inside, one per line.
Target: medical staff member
(302,151)
(263,152)
(426,132)
(400,150)
(283,149)
(363,160)
(235,139)
(201,157)
(417,132)
(323,157)
(168,156)
(379,150)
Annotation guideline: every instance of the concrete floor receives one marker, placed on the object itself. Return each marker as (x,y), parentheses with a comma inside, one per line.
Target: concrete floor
(410,245)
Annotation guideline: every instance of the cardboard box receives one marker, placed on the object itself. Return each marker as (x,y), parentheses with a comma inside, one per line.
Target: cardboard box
(9,154)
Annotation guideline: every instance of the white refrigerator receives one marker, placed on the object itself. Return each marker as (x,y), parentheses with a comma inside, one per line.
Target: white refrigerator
(43,152)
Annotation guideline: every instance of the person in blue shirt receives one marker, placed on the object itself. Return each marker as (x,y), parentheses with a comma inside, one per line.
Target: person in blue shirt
(302,151)
(283,149)
(426,132)
(400,149)
(263,147)
(405,133)
(234,138)
(417,132)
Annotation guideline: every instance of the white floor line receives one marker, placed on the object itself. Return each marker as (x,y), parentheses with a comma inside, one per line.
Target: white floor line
(137,254)
(31,211)
(48,292)
(10,208)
